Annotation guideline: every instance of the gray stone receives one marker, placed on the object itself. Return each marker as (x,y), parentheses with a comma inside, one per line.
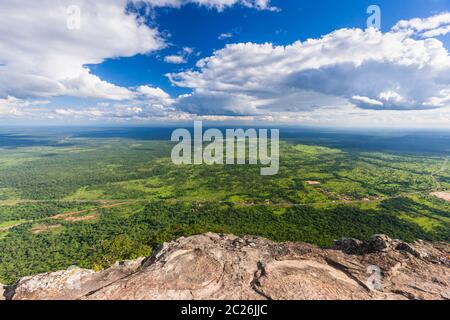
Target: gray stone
(379,243)
(348,245)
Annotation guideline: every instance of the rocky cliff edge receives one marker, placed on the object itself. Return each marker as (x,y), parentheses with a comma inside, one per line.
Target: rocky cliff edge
(213,266)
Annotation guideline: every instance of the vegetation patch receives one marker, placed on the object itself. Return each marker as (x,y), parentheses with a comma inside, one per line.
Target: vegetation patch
(44,228)
(92,201)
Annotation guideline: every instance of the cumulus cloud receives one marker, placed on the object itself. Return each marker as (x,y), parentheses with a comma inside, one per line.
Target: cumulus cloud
(366,68)
(155,95)
(41,56)
(347,75)
(149,103)
(437,25)
(181,57)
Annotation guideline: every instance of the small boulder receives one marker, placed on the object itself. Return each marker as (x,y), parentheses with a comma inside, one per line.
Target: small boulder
(421,254)
(379,243)
(348,245)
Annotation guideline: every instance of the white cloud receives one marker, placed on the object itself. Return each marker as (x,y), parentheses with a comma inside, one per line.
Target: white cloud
(118,112)
(226,35)
(42,57)
(391,96)
(374,70)
(347,76)
(11,107)
(181,57)
(152,92)
(367,101)
(188,50)
(434,26)
(155,95)
(442,31)
(219,5)
(87,85)
(175,59)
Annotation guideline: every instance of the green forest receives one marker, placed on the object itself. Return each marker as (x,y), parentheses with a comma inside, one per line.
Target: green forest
(68,199)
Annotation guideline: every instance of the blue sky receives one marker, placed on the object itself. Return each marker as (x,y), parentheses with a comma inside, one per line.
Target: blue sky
(115,67)
(199,28)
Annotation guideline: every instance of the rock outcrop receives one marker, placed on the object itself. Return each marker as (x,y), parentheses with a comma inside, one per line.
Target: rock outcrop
(2,292)
(70,284)
(213,266)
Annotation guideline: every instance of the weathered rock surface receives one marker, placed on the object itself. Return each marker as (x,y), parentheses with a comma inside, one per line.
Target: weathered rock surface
(70,284)
(2,292)
(213,266)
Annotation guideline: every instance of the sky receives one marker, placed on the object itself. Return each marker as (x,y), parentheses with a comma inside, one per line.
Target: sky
(324,63)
